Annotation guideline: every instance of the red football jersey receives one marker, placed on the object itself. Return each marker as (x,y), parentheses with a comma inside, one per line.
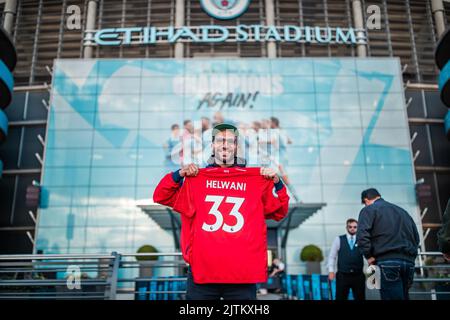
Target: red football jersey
(224,236)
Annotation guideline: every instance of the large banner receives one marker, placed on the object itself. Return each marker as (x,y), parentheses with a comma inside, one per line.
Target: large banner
(331,126)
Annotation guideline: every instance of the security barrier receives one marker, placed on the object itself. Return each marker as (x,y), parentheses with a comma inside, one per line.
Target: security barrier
(117,276)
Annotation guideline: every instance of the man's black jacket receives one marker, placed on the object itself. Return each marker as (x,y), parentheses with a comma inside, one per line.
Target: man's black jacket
(386,231)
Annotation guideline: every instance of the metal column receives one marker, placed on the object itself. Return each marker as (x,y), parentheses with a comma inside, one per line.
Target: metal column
(437,7)
(270,21)
(9,13)
(91,16)
(179,22)
(359,24)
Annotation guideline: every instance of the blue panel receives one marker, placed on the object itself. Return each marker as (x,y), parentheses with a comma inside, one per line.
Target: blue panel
(300,288)
(334,67)
(333,289)
(67,196)
(62,177)
(57,216)
(69,139)
(3,124)
(210,66)
(292,84)
(141,288)
(294,102)
(336,85)
(113,176)
(72,121)
(64,157)
(119,68)
(75,86)
(444,76)
(300,67)
(155,67)
(395,174)
(6,76)
(249,66)
(117,126)
(389,66)
(315,279)
(387,155)
(79,103)
(325,101)
(117,85)
(289,285)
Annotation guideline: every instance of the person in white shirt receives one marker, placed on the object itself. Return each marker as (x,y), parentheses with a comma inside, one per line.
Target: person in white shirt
(350,264)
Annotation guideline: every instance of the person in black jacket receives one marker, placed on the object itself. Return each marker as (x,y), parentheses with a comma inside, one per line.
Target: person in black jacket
(388,237)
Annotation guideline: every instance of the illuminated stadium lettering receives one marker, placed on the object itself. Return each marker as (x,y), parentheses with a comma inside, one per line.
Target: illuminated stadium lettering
(218,34)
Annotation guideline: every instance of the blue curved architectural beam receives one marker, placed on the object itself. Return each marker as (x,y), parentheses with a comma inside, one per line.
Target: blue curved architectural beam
(444,84)
(6,85)
(3,126)
(442,58)
(8,60)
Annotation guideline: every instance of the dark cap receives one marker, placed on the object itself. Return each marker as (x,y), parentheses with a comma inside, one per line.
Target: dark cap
(224,126)
(370,194)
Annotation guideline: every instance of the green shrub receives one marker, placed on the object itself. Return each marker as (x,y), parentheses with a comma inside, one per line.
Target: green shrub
(311,253)
(147,249)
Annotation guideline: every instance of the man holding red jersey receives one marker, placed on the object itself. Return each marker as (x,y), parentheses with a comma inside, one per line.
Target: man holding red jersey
(223,209)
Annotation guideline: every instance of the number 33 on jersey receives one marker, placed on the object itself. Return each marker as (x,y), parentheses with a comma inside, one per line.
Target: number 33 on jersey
(223,212)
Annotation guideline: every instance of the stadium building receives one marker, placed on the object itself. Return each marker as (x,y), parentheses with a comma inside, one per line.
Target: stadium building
(107,92)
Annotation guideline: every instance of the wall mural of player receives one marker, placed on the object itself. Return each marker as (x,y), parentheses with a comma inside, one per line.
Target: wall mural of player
(136,119)
(262,143)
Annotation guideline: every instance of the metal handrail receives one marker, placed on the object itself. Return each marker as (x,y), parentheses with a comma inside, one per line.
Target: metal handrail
(158,254)
(429,253)
(54,257)
(107,266)
(28,276)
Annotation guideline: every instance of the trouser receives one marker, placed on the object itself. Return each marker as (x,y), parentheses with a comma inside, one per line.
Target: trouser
(347,281)
(216,291)
(396,278)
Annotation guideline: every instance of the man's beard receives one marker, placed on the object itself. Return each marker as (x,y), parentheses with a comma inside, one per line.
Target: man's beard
(224,160)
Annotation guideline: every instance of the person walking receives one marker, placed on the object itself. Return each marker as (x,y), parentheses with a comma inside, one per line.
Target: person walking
(388,237)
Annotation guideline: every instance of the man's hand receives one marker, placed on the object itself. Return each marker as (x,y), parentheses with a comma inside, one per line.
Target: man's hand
(447,256)
(270,173)
(331,276)
(371,261)
(191,170)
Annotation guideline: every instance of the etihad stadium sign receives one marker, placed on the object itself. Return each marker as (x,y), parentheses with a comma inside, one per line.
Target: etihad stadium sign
(221,34)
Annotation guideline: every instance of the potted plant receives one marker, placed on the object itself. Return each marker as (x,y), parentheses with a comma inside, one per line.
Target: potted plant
(145,269)
(312,255)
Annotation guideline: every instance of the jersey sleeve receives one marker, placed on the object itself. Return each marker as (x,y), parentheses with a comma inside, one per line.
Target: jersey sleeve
(184,203)
(276,203)
(167,190)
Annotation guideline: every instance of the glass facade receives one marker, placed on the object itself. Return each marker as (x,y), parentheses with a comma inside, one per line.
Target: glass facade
(110,139)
